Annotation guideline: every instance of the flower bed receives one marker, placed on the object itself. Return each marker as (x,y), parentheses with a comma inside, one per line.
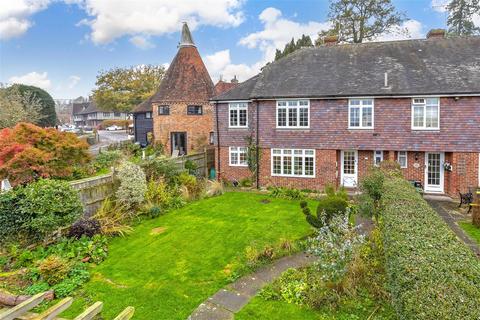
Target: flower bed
(431,274)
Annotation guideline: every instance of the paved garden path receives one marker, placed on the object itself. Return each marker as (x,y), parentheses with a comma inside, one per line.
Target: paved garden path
(451,220)
(230,300)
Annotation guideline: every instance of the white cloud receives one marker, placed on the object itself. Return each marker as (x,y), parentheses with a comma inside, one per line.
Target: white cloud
(219,64)
(33,79)
(410,29)
(113,19)
(73,81)
(142,42)
(15,14)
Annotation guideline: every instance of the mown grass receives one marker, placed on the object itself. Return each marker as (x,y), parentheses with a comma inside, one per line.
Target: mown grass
(471,230)
(168,274)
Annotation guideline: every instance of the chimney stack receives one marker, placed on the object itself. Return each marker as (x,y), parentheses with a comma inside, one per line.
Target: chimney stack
(330,40)
(234,80)
(436,34)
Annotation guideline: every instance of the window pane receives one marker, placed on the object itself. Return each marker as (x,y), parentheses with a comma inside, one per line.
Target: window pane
(354,117)
(292,103)
(418,116)
(243,157)
(292,117)
(233,157)
(402,159)
(303,102)
(309,166)
(287,165)
(282,117)
(243,117)
(354,102)
(431,117)
(367,120)
(281,103)
(298,166)
(432,101)
(303,117)
(277,165)
(233,118)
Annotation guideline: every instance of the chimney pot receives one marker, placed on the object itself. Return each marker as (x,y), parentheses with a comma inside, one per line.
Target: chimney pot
(234,80)
(436,34)
(330,40)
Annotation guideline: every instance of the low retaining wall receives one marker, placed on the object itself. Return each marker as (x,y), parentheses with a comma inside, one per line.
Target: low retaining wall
(94,190)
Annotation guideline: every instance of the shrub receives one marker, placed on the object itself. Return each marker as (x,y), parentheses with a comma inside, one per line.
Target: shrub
(107,159)
(328,207)
(286,193)
(191,167)
(84,227)
(113,218)
(160,168)
(160,198)
(12,222)
(53,269)
(215,188)
(133,185)
(76,277)
(194,188)
(246,183)
(372,186)
(49,205)
(431,274)
(28,152)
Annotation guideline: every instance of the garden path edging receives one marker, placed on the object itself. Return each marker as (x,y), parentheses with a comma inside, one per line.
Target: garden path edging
(227,301)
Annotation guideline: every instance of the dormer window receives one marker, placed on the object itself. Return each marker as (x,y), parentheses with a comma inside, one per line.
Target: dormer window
(163,110)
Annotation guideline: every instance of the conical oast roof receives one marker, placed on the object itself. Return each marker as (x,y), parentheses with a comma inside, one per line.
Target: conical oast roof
(187,78)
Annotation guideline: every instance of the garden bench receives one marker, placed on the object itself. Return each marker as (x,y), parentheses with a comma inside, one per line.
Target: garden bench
(466,198)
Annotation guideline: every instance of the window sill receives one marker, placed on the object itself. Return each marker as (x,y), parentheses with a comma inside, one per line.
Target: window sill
(237,128)
(363,129)
(290,176)
(426,129)
(239,165)
(293,128)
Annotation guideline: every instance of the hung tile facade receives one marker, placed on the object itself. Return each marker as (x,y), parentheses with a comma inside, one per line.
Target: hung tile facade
(394,98)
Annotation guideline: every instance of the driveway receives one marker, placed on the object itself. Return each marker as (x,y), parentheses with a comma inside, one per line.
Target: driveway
(107,138)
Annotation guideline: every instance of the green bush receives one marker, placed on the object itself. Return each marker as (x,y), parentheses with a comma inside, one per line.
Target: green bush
(160,168)
(431,274)
(372,186)
(107,159)
(53,269)
(246,183)
(31,213)
(328,207)
(287,193)
(133,185)
(193,188)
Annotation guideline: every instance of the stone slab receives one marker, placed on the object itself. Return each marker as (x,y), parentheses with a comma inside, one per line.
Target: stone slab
(230,300)
(210,311)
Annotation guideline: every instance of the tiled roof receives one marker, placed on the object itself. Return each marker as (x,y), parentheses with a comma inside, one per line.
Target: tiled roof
(145,106)
(413,67)
(223,86)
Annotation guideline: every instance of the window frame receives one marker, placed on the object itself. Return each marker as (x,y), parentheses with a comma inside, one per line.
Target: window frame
(361,107)
(424,105)
(237,106)
(406,159)
(106,114)
(287,116)
(195,106)
(148,115)
(166,106)
(292,156)
(375,157)
(238,152)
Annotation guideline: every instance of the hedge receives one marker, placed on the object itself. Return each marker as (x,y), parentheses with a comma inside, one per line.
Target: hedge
(431,274)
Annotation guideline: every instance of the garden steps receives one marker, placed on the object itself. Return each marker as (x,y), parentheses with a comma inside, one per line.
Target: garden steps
(227,301)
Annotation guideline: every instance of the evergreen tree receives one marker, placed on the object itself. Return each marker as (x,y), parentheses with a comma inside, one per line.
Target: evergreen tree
(47,109)
(460,17)
(304,41)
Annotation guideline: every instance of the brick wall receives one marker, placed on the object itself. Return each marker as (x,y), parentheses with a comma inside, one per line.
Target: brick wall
(197,127)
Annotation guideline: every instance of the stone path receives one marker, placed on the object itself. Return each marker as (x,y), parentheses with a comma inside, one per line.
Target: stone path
(226,302)
(451,220)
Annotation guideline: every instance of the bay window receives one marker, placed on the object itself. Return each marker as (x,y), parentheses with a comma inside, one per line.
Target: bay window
(293,114)
(293,162)
(425,113)
(360,114)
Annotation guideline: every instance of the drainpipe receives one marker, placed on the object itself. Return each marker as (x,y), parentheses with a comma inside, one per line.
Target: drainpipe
(258,146)
(218,140)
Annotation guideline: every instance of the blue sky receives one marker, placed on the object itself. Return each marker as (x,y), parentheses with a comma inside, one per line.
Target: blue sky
(62,45)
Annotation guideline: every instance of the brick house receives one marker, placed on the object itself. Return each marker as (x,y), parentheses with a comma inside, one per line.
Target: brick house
(325,115)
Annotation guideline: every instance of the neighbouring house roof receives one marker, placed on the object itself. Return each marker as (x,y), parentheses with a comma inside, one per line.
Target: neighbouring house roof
(91,108)
(187,78)
(223,86)
(413,67)
(145,106)
(78,107)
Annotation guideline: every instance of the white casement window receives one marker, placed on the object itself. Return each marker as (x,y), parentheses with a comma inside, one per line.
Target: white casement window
(360,114)
(148,115)
(402,159)
(238,156)
(377,157)
(425,113)
(238,114)
(293,114)
(293,162)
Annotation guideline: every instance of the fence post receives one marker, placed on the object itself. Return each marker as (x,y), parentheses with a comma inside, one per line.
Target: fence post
(476,209)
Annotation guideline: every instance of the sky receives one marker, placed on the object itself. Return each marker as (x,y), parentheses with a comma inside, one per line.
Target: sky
(62,45)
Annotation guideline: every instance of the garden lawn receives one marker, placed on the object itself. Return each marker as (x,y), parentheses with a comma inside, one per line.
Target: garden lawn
(471,230)
(168,273)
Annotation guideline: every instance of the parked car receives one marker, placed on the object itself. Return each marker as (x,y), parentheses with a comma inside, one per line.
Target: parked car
(114,128)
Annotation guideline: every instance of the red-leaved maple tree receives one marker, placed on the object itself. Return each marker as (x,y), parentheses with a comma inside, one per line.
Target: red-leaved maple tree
(28,152)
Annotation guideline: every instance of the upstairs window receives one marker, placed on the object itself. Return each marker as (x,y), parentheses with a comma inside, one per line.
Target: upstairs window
(238,156)
(293,162)
(238,114)
(148,115)
(426,114)
(360,114)
(106,114)
(194,110)
(293,114)
(402,159)
(117,114)
(163,110)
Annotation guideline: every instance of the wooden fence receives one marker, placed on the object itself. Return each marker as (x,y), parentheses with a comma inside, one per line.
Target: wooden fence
(22,311)
(94,190)
(204,161)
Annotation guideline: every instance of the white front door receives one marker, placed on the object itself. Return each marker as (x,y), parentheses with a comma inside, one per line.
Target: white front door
(349,159)
(434,171)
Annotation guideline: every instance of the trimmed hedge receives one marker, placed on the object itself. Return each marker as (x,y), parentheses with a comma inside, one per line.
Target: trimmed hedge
(431,274)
